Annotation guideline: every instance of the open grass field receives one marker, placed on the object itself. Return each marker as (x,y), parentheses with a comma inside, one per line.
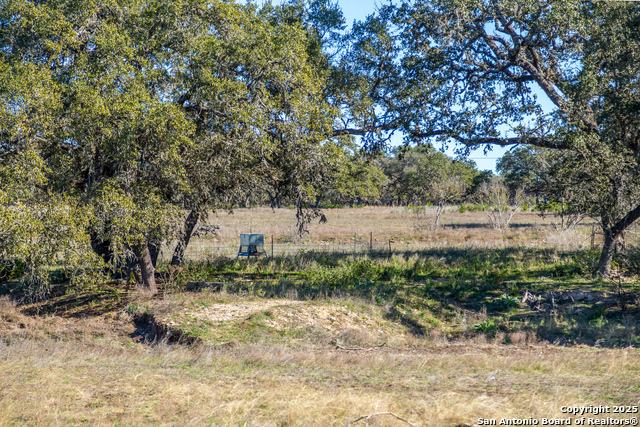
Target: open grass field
(402,224)
(376,226)
(456,325)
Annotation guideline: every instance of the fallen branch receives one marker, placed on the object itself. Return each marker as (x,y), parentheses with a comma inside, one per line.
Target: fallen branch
(366,417)
(338,346)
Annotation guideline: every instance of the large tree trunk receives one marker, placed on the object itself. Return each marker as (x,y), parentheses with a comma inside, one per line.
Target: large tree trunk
(611,234)
(146,273)
(189,225)
(604,264)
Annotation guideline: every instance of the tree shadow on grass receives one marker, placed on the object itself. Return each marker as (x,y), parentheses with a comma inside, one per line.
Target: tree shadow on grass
(67,301)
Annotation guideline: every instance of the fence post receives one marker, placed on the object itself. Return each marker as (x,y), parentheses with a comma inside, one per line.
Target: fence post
(593,237)
(272,246)
(355,236)
(371,241)
(389,247)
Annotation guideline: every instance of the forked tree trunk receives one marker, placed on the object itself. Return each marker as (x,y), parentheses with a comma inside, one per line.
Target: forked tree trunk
(189,225)
(274,199)
(611,234)
(146,276)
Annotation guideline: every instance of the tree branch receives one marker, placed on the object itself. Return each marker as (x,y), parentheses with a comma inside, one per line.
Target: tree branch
(533,68)
(367,417)
(364,130)
(628,219)
(502,142)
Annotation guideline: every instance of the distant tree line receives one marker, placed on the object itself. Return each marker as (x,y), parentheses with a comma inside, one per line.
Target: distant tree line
(404,176)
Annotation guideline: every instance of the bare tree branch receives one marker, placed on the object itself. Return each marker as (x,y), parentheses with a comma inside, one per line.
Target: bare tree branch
(367,417)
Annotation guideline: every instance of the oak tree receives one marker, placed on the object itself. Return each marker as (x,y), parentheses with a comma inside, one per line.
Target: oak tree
(480,72)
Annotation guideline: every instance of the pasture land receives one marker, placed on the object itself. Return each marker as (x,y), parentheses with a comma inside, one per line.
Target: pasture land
(407,228)
(458,324)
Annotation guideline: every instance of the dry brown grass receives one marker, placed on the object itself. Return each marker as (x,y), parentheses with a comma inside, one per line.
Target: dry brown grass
(16,326)
(401,225)
(398,223)
(54,383)
(406,230)
(85,367)
(57,371)
(88,370)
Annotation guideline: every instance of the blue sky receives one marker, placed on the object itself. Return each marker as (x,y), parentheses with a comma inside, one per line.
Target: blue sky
(358,10)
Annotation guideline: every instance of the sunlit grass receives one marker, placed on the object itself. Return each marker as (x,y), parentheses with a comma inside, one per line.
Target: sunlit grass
(308,348)
(51,383)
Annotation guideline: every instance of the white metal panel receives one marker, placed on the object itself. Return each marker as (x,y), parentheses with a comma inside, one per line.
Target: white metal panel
(251,239)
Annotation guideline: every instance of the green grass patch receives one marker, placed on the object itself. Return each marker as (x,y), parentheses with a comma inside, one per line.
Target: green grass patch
(427,290)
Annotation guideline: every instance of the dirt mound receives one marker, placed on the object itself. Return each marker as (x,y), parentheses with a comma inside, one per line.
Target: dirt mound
(333,318)
(228,312)
(343,323)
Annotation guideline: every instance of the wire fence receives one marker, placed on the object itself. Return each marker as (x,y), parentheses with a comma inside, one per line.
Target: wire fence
(204,250)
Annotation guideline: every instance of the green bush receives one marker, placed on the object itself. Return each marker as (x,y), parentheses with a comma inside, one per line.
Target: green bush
(488,326)
(505,302)
(469,208)
(348,274)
